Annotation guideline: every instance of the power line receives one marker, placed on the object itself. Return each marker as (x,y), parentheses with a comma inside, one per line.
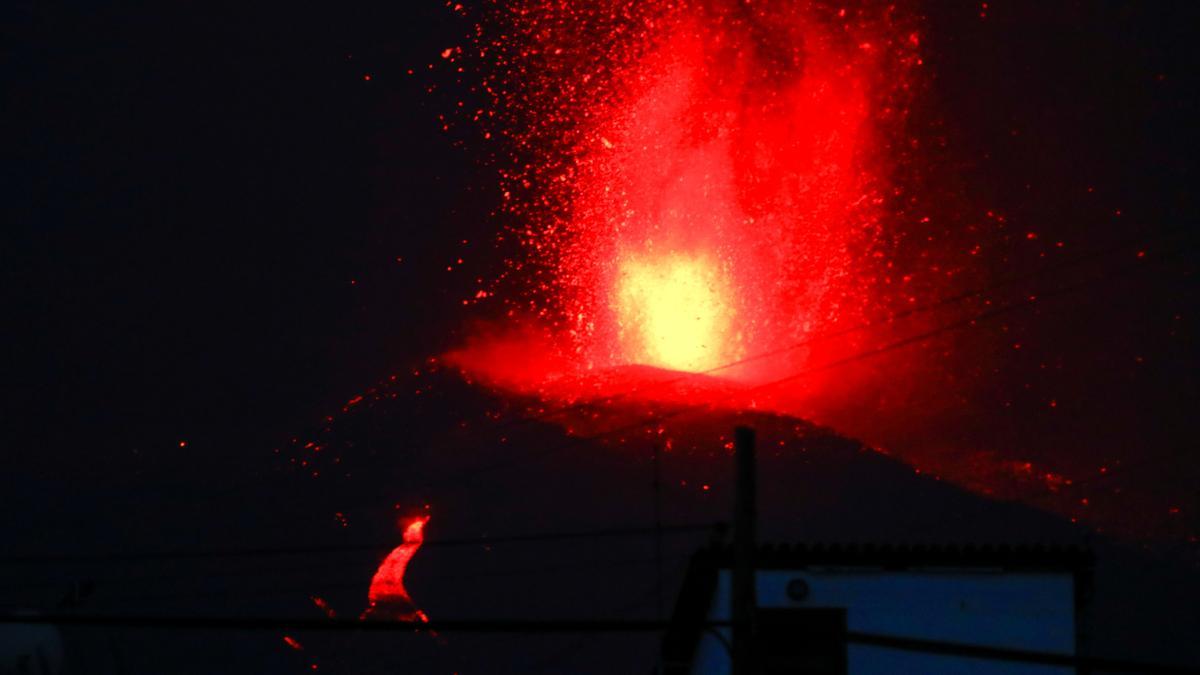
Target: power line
(455,480)
(458,477)
(1012,655)
(565,535)
(936,304)
(945,328)
(1095,254)
(261,552)
(569,625)
(903,314)
(184,554)
(309,589)
(1047,270)
(870,353)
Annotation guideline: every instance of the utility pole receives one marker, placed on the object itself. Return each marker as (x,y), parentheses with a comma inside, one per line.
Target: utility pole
(657,486)
(744,516)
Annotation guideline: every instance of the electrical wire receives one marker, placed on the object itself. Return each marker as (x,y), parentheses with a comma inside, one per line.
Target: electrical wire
(192,554)
(462,478)
(570,625)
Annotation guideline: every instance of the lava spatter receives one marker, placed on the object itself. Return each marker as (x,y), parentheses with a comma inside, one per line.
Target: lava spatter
(387,596)
(692,183)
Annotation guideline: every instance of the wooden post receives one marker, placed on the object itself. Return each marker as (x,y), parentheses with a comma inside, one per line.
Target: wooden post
(745,514)
(658,536)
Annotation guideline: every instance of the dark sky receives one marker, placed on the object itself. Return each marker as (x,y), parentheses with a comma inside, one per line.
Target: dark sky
(206,213)
(208,201)
(206,204)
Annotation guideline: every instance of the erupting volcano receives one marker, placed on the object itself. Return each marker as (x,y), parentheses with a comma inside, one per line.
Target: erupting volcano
(694,183)
(744,205)
(285,281)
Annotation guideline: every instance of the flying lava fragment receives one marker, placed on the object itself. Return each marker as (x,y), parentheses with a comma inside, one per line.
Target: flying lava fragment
(691,183)
(387,596)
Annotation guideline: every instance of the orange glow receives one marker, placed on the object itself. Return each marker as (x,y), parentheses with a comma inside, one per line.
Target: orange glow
(675,312)
(709,192)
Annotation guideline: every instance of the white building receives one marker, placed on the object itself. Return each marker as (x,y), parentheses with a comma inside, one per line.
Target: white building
(810,598)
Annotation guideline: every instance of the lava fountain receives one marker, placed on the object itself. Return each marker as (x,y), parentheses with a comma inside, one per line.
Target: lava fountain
(692,184)
(675,313)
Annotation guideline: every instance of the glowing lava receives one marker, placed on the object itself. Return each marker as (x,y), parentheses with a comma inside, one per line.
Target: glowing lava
(693,183)
(387,594)
(675,312)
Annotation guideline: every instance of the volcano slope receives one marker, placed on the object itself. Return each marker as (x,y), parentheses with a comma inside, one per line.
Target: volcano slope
(536,510)
(485,464)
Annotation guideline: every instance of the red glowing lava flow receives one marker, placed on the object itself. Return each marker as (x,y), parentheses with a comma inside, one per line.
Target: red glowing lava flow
(693,183)
(387,594)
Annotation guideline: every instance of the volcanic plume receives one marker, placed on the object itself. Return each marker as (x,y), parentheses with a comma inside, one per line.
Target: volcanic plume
(696,185)
(752,205)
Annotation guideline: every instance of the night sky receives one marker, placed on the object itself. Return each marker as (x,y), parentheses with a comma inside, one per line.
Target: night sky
(224,222)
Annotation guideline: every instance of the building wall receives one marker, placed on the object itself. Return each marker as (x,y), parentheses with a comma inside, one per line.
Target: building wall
(1034,611)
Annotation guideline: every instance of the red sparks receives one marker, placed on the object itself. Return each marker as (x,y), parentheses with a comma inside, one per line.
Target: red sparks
(387,594)
(697,182)
(749,192)
(323,605)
